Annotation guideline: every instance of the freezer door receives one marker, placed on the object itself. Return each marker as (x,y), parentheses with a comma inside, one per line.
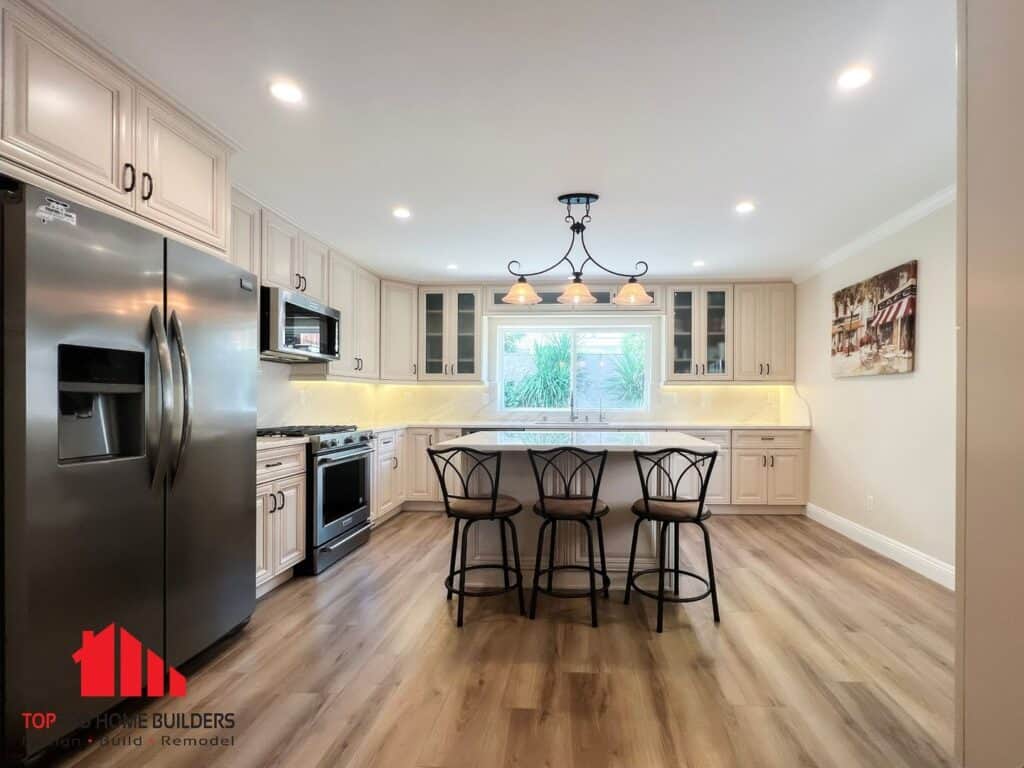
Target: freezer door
(82,517)
(211,487)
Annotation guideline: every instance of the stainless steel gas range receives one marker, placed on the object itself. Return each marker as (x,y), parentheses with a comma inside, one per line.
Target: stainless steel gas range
(339,461)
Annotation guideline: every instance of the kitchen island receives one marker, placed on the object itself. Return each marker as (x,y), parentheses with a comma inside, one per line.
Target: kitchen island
(620,487)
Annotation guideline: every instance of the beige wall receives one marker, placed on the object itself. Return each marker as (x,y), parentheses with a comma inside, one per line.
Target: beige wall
(990,552)
(888,437)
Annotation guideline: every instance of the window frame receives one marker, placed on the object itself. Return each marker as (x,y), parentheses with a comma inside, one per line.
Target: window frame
(651,326)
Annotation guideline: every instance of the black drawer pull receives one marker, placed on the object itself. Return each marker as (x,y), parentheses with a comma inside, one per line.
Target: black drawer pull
(273,464)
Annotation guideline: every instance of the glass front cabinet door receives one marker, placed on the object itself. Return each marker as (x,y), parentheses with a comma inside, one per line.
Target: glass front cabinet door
(450,334)
(699,345)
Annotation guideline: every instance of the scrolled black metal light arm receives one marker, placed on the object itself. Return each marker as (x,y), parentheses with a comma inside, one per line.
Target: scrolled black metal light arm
(578,227)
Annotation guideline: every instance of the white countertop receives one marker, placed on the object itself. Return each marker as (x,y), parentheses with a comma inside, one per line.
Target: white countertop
(617,441)
(582,426)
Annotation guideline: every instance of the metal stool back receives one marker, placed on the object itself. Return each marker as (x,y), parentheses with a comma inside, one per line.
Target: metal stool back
(675,484)
(569,471)
(469,481)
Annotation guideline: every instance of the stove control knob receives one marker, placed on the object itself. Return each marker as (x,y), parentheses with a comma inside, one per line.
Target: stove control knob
(330,443)
(348,440)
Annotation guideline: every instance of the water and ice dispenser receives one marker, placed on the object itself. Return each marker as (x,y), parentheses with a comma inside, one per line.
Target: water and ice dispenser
(101,403)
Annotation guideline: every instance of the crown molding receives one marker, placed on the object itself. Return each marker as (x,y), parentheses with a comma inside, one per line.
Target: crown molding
(886,229)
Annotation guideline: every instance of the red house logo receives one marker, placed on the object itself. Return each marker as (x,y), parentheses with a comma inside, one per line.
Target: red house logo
(98,671)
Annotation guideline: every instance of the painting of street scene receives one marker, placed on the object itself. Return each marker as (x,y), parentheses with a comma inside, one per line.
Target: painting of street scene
(873,324)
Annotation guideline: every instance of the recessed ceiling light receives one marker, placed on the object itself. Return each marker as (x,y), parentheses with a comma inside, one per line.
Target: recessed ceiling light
(401,212)
(852,78)
(286,91)
(452,266)
(745,206)
(698,263)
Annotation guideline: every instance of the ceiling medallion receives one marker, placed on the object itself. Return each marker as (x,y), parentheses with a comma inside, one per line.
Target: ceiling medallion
(576,292)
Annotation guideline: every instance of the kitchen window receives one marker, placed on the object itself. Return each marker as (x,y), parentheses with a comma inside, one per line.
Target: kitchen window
(588,368)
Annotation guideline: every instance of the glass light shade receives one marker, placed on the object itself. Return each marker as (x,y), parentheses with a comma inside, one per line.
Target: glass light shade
(576,292)
(521,292)
(632,294)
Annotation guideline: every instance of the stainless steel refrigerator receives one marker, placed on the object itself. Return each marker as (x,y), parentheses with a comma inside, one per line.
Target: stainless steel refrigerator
(129,449)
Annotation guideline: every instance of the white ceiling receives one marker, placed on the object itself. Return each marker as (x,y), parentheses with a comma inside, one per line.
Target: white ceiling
(476,115)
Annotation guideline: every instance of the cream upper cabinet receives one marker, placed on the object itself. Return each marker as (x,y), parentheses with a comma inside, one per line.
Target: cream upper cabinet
(398,331)
(73,114)
(355,293)
(246,232)
(367,324)
(449,327)
(313,268)
(183,173)
(699,345)
(281,254)
(66,112)
(765,320)
(341,291)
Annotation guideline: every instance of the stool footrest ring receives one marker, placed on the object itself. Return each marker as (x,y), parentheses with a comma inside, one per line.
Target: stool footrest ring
(568,593)
(451,581)
(668,597)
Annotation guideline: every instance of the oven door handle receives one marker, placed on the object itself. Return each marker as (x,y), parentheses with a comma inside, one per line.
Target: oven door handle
(330,461)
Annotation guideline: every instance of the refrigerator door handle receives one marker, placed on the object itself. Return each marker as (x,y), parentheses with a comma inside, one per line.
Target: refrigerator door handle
(186,390)
(163,356)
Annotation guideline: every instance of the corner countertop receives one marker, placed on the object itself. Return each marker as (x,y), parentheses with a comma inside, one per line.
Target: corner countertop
(616,442)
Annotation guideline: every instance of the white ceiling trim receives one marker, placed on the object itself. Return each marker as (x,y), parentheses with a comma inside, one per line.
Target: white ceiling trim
(897,223)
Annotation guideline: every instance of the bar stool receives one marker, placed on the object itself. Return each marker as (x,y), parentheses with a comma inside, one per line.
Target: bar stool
(554,467)
(665,477)
(481,470)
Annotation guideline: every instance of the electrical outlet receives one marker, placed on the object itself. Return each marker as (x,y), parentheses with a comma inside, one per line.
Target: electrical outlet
(871,503)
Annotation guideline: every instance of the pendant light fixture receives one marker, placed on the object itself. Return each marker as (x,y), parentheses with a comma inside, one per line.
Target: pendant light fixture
(577,292)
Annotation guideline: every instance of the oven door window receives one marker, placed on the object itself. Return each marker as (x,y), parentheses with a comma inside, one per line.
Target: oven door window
(344,489)
(307,331)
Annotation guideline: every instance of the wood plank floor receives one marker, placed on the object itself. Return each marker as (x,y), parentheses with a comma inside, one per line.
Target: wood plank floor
(827,655)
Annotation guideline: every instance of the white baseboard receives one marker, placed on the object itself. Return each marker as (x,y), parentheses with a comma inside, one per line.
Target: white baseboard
(917,561)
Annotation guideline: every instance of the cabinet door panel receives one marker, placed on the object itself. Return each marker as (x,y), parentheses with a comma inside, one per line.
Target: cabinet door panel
(715,344)
(367,323)
(779,332)
(433,344)
(341,293)
(280,251)
(682,342)
(264,534)
(421,480)
(314,268)
(398,331)
(746,322)
(401,472)
(246,231)
(291,522)
(749,481)
(720,490)
(786,477)
(65,112)
(188,190)
(385,485)
(464,344)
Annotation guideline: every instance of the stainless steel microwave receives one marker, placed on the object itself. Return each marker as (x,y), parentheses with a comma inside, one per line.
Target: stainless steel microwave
(296,329)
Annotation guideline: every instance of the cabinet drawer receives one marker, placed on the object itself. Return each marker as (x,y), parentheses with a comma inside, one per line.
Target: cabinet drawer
(767,439)
(280,462)
(719,437)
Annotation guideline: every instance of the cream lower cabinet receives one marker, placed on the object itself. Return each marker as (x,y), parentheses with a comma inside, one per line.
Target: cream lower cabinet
(280,514)
(389,483)
(769,467)
(421,481)
(280,526)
